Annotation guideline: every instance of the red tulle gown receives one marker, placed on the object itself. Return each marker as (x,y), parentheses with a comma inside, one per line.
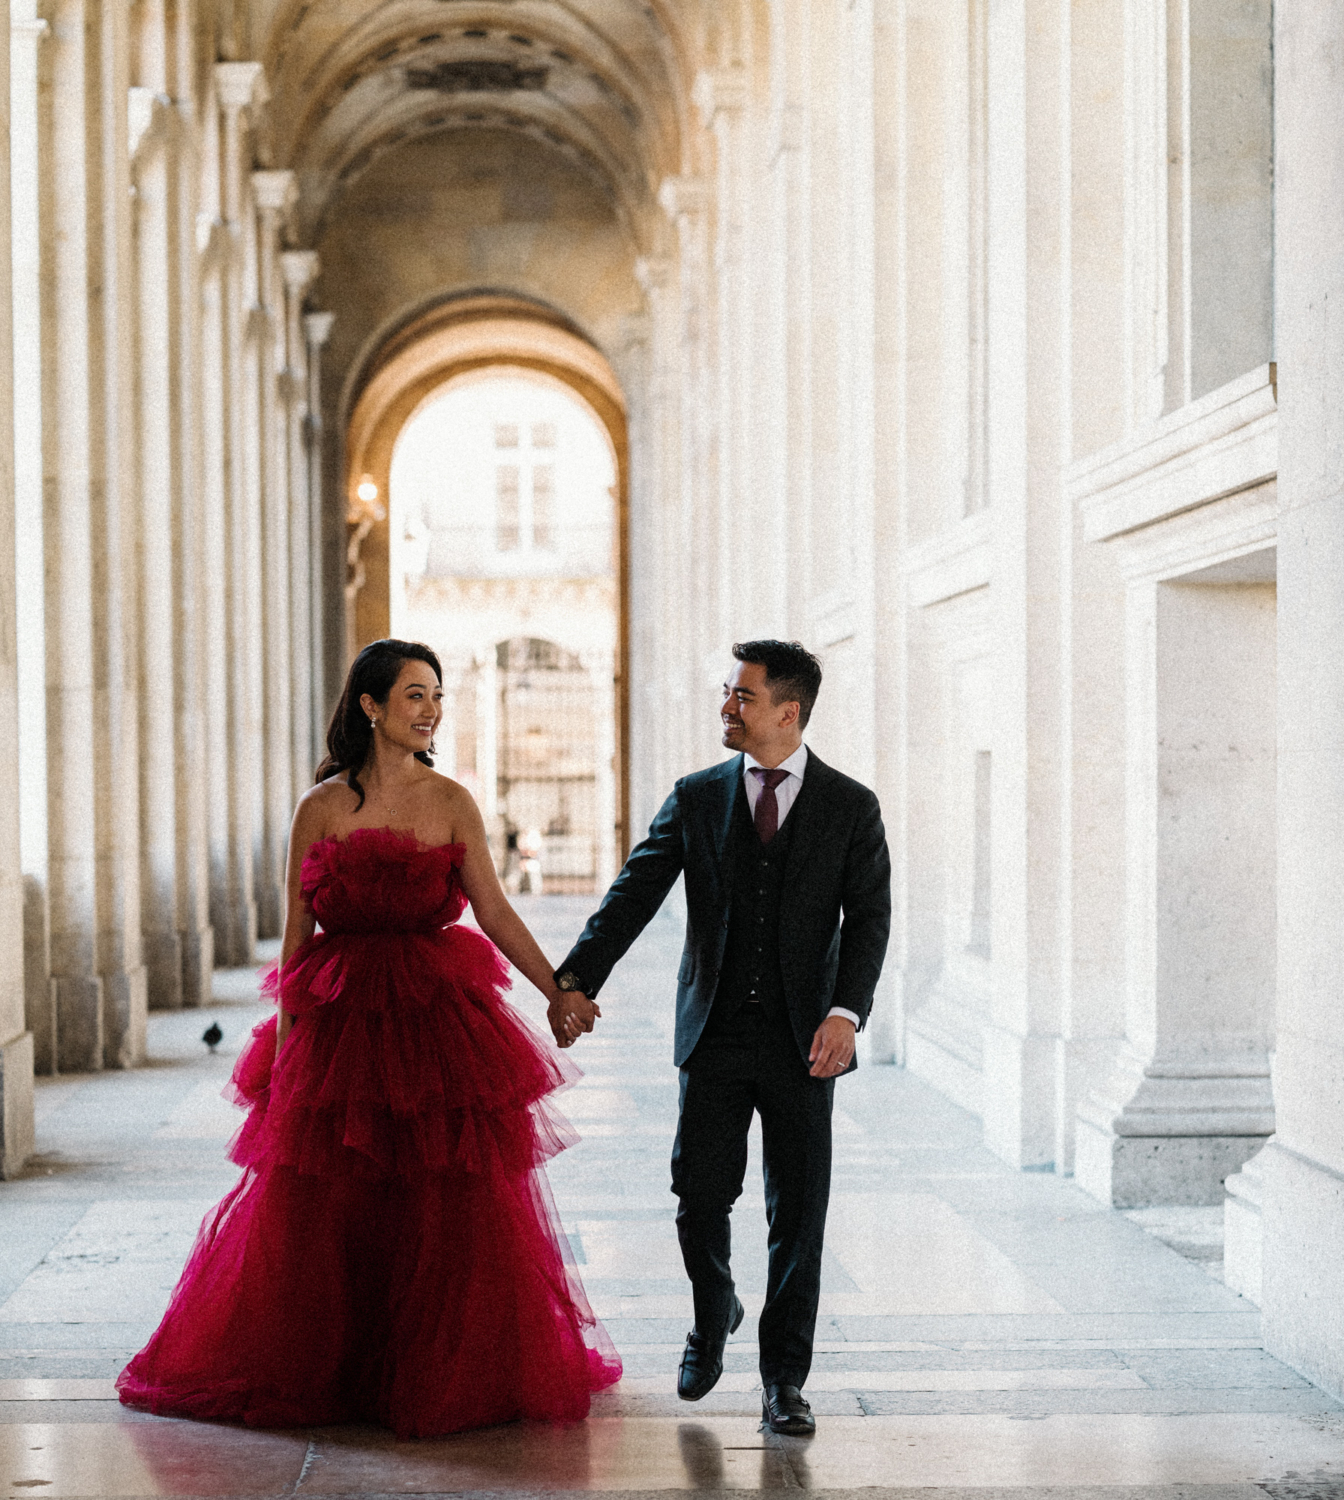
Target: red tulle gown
(391,1253)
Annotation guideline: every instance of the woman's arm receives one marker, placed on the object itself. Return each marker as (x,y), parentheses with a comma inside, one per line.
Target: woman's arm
(569,1013)
(305,830)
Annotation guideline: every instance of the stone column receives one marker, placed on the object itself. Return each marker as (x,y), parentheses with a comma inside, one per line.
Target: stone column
(161,486)
(273,194)
(1303,1165)
(16,1041)
(1189,1098)
(721,96)
(658,658)
(785,395)
(316,332)
(885,1032)
(685,201)
(234,661)
(1026,183)
(117,575)
(27,32)
(601,674)
(93,803)
(298,267)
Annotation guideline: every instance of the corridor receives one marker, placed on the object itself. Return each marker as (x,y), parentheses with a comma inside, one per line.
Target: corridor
(981,1328)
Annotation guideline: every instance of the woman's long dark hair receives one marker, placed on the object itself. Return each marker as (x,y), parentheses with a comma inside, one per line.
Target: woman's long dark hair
(350,735)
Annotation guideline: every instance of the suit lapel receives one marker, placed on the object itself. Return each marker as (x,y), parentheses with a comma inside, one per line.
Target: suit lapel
(723,807)
(808,817)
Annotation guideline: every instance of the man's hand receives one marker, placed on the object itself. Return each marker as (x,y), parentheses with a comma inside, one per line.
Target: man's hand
(832,1047)
(569,1014)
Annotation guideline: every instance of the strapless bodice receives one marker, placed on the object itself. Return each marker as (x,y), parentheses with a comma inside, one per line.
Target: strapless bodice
(383,880)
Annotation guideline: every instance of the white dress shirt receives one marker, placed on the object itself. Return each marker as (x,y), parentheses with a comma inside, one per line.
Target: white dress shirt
(786,794)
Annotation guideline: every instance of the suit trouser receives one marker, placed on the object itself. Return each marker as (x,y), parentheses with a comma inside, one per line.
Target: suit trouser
(744,1063)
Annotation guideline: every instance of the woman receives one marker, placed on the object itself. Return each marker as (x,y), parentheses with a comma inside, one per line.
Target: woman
(391,1252)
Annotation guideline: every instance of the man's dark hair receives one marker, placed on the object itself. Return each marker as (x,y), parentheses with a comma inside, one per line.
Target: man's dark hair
(792,673)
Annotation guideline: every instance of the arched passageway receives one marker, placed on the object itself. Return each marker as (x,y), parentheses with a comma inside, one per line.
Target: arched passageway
(491,371)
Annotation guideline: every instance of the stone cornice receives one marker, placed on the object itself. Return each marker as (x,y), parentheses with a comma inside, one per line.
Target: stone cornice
(953,562)
(721,91)
(1223,443)
(683,197)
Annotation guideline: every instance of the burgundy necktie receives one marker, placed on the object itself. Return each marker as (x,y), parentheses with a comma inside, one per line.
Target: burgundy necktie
(767,808)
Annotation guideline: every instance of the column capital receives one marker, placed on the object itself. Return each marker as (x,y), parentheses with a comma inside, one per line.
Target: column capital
(721,91)
(241,85)
(299,268)
(317,328)
(683,197)
(275,192)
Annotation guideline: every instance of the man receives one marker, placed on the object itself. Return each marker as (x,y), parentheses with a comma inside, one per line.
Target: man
(788,906)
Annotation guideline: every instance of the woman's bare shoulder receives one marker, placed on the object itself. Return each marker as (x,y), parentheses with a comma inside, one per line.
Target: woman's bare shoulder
(447,793)
(452,802)
(323,803)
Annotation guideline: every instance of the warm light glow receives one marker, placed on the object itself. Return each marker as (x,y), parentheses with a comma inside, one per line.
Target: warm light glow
(367,491)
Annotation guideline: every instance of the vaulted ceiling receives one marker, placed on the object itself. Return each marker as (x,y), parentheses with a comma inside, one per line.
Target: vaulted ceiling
(603,81)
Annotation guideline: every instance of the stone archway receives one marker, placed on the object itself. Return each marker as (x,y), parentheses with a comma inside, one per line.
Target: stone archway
(456,337)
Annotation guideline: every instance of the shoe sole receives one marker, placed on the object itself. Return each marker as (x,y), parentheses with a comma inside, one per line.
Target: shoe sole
(736,1324)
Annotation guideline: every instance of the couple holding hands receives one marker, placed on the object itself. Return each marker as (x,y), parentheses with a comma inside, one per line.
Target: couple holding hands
(391,1253)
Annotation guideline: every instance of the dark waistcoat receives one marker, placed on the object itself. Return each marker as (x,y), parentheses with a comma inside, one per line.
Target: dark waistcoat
(751,970)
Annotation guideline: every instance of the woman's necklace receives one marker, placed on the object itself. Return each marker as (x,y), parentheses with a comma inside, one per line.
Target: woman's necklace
(383,798)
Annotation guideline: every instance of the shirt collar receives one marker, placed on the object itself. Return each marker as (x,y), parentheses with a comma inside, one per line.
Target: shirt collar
(794,765)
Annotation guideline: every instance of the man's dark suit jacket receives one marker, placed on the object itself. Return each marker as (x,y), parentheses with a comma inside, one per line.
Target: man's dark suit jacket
(834,918)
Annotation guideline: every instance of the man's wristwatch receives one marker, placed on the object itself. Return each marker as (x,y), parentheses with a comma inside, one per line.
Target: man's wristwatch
(568,980)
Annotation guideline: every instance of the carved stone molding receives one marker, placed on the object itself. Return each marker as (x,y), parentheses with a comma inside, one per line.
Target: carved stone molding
(275,192)
(241,85)
(477,76)
(317,328)
(300,269)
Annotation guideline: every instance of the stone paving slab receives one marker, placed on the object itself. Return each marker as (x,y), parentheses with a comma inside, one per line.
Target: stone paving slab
(982,1330)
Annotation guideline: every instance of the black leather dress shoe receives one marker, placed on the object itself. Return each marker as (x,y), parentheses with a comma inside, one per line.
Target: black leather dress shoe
(702,1360)
(783,1410)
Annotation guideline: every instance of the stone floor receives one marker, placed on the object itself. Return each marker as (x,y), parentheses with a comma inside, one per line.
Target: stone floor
(981,1329)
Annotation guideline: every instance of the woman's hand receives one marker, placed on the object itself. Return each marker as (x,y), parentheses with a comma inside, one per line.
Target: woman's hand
(570,1013)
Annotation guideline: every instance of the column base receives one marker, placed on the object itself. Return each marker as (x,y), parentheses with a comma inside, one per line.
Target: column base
(163,965)
(943,1046)
(198,964)
(1019,1097)
(1243,1231)
(39,989)
(234,934)
(269,914)
(17,1136)
(1144,1171)
(1302,1310)
(879,1043)
(125,1017)
(1171,1132)
(79,1024)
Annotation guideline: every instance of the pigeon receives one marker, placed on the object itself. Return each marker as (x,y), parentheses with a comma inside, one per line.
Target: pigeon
(213,1036)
